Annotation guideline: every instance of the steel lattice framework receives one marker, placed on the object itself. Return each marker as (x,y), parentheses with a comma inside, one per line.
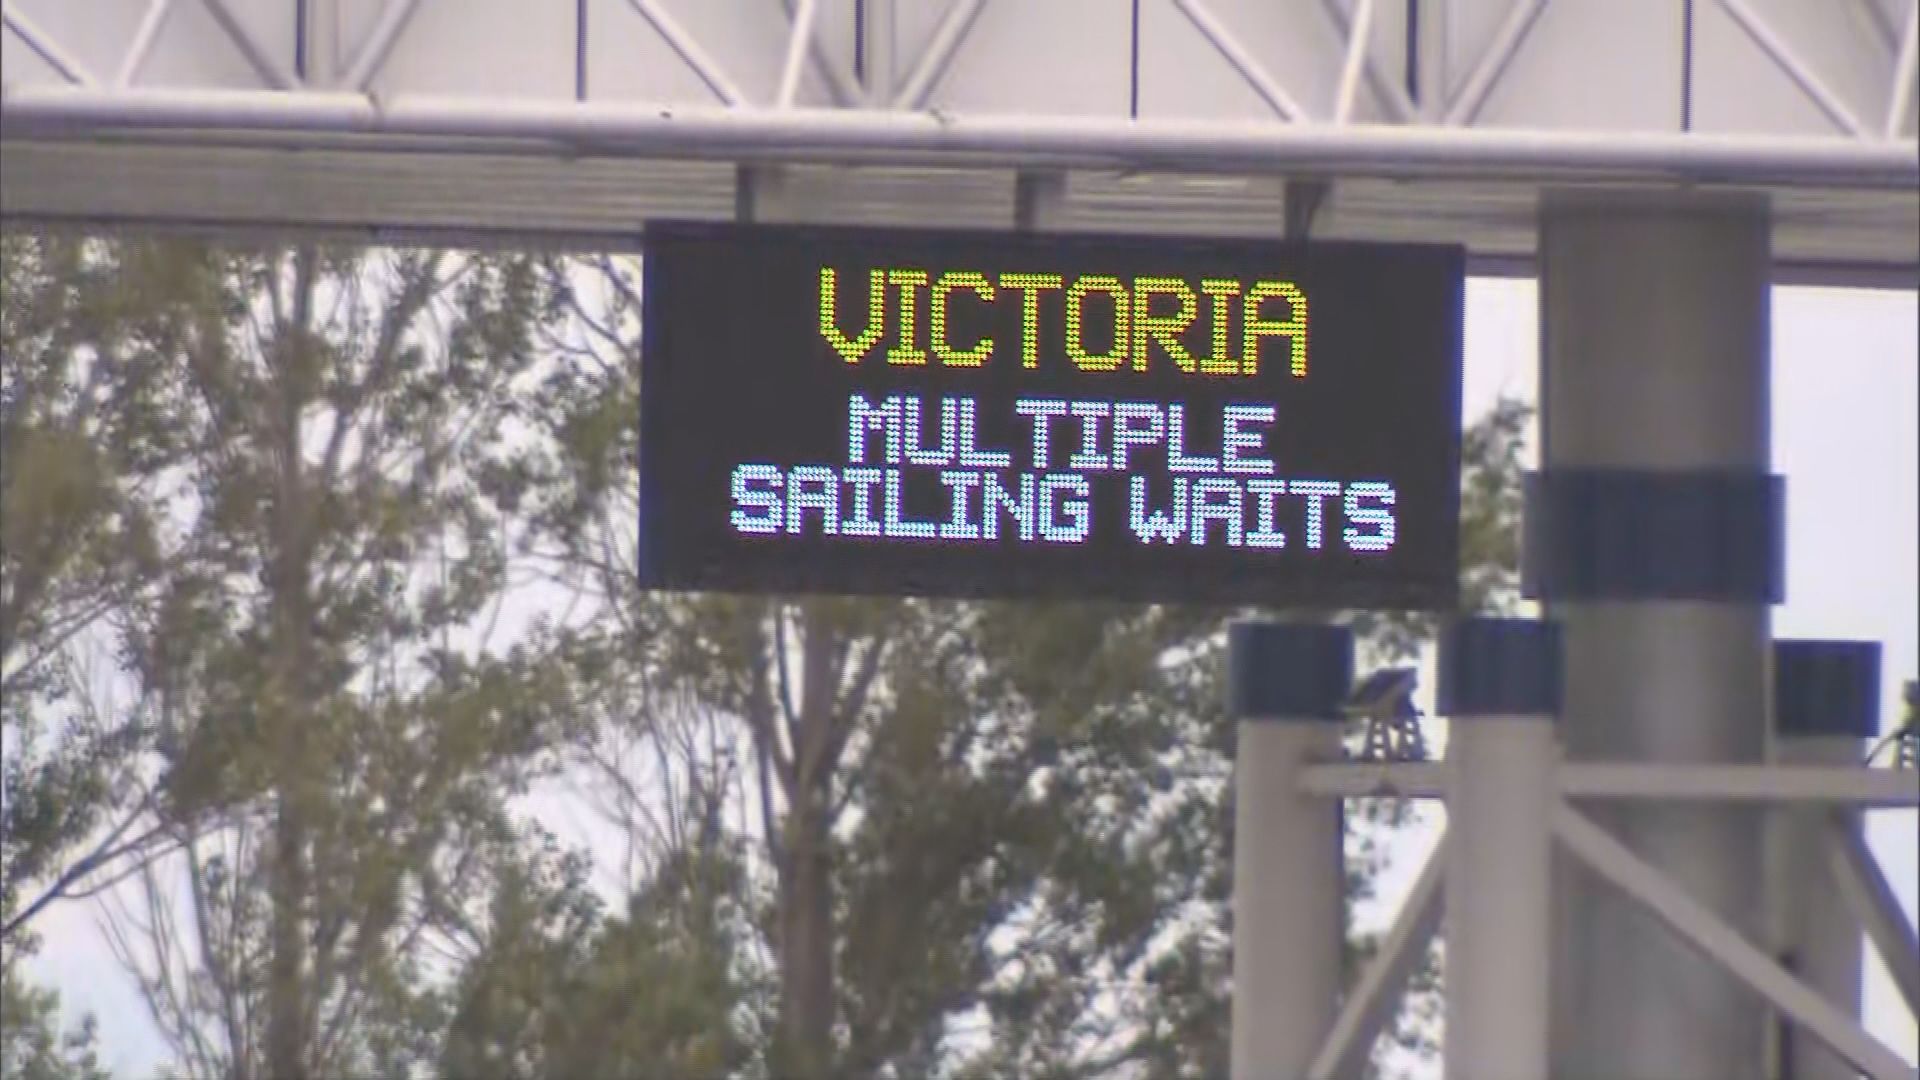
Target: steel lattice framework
(576,120)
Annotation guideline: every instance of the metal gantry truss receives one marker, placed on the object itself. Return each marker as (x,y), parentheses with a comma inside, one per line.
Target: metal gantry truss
(577,121)
(1571,787)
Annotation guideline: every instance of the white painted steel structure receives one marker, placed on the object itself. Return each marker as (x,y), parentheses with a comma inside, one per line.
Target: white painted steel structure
(573,122)
(576,120)
(1498,921)
(1286,857)
(1509,782)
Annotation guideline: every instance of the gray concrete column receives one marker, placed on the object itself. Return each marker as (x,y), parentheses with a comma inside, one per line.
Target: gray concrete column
(1654,328)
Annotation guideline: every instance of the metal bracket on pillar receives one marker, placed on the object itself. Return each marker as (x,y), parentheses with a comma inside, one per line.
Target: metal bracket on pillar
(1038,199)
(1304,200)
(761,194)
(1905,739)
(1391,727)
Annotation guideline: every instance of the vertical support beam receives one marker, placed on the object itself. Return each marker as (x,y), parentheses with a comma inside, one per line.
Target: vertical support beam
(764,194)
(1500,689)
(1906,69)
(1654,537)
(1429,81)
(320,44)
(1286,686)
(1039,201)
(1826,698)
(881,38)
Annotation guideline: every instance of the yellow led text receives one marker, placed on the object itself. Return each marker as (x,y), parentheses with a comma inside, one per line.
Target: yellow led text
(1154,320)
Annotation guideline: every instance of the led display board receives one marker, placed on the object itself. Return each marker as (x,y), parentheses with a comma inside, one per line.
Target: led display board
(843,410)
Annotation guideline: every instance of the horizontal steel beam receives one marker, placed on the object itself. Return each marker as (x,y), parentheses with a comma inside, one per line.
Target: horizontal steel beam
(1886,788)
(1364,779)
(1722,783)
(282,120)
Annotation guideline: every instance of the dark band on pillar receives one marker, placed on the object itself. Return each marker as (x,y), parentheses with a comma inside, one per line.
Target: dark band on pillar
(1826,688)
(1633,534)
(1500,667)
(1288,671)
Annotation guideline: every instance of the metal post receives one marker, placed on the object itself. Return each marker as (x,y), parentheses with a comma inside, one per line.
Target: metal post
(1654,536)
(1286,686)
(319,57)
(1826,697)
(1500,689)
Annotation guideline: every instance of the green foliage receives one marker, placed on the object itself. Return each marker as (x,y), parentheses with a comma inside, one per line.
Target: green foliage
(288,491)
(332,742)
(77,541)
(559,991)
(31,1045)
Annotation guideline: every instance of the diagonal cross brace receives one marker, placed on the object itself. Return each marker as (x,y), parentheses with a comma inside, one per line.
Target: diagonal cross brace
(1701,928)
(1372,1001)
(43,46)
(1866,890)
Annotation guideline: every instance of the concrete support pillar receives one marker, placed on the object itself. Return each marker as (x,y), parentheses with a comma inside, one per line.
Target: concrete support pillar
(1826,698)
(1500,689)
(1654,538)
(1289,872)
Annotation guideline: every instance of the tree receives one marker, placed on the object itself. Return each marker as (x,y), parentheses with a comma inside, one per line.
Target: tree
(31,1045)
(985,839)
(332,432)
(558,990)
(74,542)
(79,438)
(868,838)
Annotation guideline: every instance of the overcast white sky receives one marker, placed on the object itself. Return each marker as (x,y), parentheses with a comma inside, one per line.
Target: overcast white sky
(1846,435)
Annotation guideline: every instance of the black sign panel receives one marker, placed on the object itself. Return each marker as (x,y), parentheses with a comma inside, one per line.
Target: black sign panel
(983,414)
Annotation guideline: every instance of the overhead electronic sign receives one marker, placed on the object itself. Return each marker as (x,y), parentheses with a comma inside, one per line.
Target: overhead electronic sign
(981,414)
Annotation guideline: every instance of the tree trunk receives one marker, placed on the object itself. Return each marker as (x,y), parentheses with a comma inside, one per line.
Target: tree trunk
(807,1006)
(289,1038)
(806,949)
